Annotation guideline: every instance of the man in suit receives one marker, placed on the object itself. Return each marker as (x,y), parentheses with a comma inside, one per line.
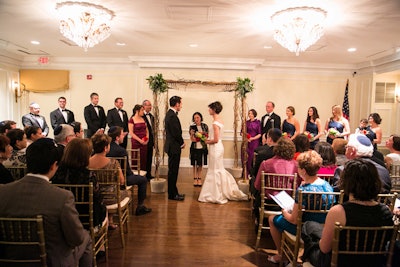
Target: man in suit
(149,119)
(61,115)
(118,117)
(95,116)
(270,120)
(67,242)
(34,119)
(173,145)
(117,136)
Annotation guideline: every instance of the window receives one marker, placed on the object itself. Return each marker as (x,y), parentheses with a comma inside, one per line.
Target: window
(385,92)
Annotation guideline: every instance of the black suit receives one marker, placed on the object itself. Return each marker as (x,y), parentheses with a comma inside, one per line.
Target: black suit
(263,153)
(31,120)
(172,147)
(114,119)
(57,118)
(94,121)
(150,144)
(274,121)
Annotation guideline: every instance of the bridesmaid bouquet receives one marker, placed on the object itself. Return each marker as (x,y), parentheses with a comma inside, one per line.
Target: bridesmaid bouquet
(286,135)
(248,136)
(309,135)
(333,131)
(145,138)
(201,137)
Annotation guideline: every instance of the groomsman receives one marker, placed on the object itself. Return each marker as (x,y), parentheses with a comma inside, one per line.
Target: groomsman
(269,120)
(34,119)
(95,116)
(149,119)
(61,115)
(173,145)
(118,117)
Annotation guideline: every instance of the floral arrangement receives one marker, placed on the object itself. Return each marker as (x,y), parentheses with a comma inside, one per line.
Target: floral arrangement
(363,131)
(333,131)
(248,136)
(286,135)
(145,138)
(201,137)
(309,135)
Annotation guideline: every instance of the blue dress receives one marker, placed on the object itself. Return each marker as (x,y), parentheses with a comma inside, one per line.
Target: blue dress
(335,125)
(312,128)
(288,128)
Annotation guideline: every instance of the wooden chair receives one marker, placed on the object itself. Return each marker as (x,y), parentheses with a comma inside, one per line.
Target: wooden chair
(395,170)
(317,203)
(330,178)
(109,182)
(134,157)
(24,239)
(273,182)
(388,199)
(84,204)
(17,172)
(363,241)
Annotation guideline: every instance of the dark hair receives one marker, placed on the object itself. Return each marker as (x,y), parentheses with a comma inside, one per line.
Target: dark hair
(310,161)
(326,151)
(136,108)
(291,108)
(364,121)
(116,99)
(114,132)
(4,142)
(284,149)
(99,142)
(77,126)
(174,100)
(254,112)
(6,125)
(197,113)
(396,142)
(93,94)
(15,135)
(216,106)
(31,130)
(274,134)
(77,153)
(314,116)
(360,178)
(375,116)
(61,97)
(301,143)
(41,155)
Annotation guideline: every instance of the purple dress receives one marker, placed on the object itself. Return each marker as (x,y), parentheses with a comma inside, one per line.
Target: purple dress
(253,129)
(140,130)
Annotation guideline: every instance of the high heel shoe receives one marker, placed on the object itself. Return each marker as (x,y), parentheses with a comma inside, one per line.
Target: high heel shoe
(199,183)
(195,182)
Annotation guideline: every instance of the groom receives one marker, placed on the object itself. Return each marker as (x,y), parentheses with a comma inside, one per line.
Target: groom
(173,145)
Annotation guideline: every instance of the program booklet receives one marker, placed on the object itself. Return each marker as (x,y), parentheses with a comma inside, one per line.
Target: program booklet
(284,200)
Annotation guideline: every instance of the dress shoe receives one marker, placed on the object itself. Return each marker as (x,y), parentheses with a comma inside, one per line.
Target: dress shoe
(181,195)
(177,197)
(142,210)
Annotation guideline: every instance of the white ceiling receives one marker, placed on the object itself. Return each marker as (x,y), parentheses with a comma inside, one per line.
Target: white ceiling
(223,29)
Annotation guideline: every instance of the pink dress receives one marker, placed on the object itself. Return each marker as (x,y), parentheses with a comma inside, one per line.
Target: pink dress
(140,130)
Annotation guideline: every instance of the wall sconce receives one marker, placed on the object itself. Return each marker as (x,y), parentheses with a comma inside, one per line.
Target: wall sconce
(18,91)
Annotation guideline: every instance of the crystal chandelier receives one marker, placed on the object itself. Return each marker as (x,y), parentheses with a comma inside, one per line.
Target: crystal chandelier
(83,23)
(298,28)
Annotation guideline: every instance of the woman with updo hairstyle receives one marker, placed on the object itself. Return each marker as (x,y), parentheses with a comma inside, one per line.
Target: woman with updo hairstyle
(291,125)
(5,153)
(309,163)
(253,129)
(139,135)
(375,135)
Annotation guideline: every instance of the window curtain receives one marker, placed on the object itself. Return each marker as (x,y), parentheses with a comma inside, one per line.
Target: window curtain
(40,81)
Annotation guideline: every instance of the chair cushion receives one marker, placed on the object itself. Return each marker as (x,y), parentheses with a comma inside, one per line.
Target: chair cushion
(124,202)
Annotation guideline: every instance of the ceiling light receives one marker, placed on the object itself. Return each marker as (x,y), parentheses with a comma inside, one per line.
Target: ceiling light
(121,44)
(267,47)
(352,49)
(193,45)
(83,23)
(298,28)
(35,42)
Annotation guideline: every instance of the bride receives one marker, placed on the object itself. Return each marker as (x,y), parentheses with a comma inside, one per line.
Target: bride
(219,185)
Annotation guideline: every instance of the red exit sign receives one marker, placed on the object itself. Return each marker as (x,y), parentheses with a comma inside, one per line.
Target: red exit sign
(43,60)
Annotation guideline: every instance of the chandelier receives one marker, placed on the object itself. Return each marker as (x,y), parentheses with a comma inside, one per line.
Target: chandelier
(84,23)
(298,28)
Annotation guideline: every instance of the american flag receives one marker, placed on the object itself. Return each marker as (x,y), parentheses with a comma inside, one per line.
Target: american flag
(345,107)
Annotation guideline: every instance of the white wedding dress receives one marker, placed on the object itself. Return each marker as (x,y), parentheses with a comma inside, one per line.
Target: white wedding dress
(219,185)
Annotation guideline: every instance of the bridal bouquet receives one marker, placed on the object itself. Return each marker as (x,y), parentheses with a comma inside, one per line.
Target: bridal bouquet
(309,135)
(201,137)
(333,131)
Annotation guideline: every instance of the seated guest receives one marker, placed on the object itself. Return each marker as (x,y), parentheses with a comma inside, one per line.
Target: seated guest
(308,165)
(361,183)
(116,150)
(78,130)
(67,243)
(325,150)
(73,170)
(7,125)
(359,146)
(302,144)
(339,148)
(99,160)
(18,142)
(33,133)
(63,134)
(393,144)
(5,153)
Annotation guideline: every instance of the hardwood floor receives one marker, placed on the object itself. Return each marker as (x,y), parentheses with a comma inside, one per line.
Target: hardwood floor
(189,233)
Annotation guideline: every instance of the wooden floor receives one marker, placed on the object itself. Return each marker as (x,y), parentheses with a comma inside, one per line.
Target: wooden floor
(189,233)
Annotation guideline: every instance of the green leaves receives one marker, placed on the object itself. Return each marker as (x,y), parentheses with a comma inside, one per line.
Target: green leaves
(243,87)
(157,83)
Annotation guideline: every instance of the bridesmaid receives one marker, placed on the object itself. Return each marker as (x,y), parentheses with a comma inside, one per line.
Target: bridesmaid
(139,134)
(313,125)
(253,127)
(375,134)
(338,122)
(291,125)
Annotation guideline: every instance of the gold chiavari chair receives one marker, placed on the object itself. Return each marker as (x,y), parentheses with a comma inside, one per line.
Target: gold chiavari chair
(134,157)
(17,172)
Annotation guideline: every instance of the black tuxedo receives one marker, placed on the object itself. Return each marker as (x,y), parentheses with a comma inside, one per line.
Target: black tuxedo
(30,120)
(150,144)
(94,121)
(57,118)
(274,121)
(172,147)
(114,119)
(263,153)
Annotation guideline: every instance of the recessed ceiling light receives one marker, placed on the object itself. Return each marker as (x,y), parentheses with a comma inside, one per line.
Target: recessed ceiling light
(352,49)
(121,44)
(267,47)
(193,45)
(35,42)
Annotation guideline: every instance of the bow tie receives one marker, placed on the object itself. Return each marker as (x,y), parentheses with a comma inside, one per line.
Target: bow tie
(63,110)
(119,110)
(176,112)
(36,115)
